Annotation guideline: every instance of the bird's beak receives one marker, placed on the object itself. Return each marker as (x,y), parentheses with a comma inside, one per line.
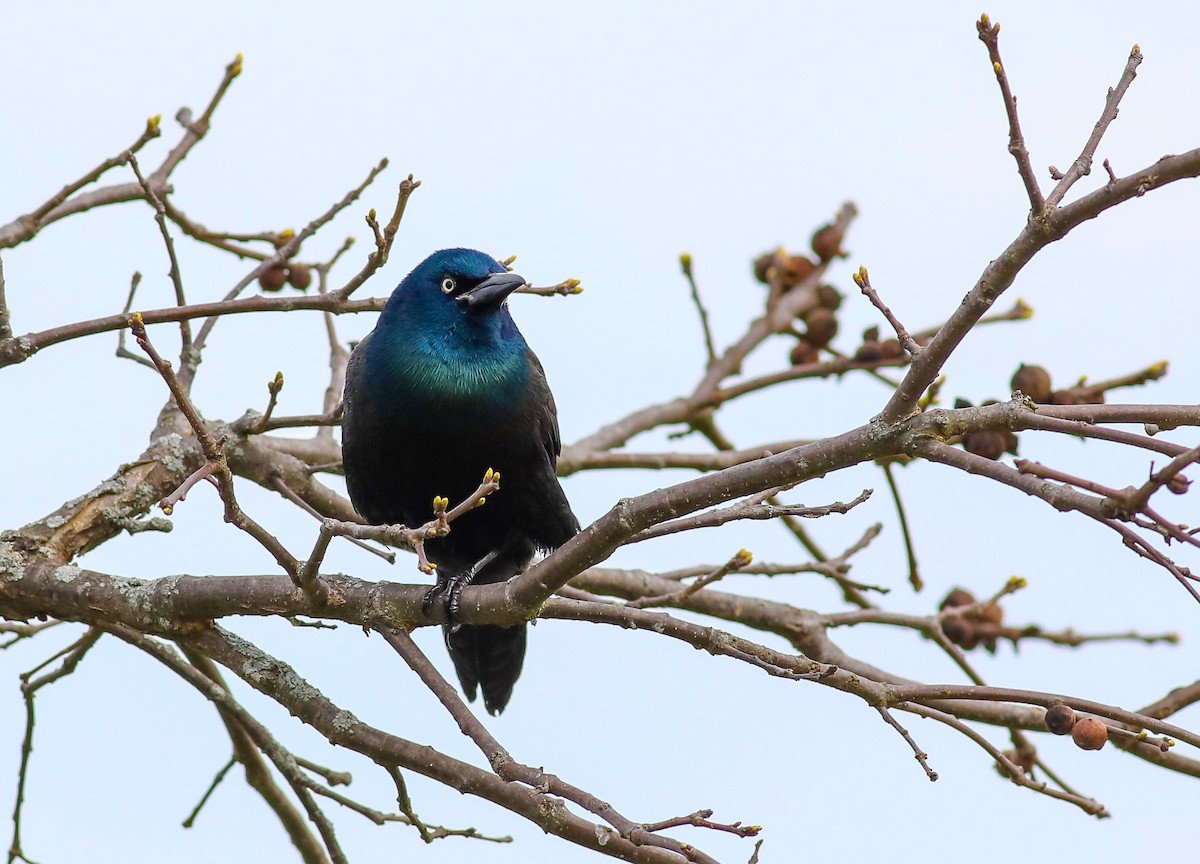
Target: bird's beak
(492,291)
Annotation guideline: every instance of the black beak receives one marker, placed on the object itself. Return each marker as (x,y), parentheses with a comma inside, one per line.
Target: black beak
(492,291)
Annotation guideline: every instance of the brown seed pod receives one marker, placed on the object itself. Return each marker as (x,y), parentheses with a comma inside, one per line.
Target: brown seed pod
(1024,758)
(891,349)
(958,630)
(1066,397)
(957,597)
(805,353)
(272,280)
(829,297)
(990,443)
(964,636)
(1060,719)
(1076,396)
(1089,733)
(299,277)
(283,238)
(870,351)
(821,325)
(827,243)
(1178,484)
(762,267)
(794,269)
(1033,381)
(992,614)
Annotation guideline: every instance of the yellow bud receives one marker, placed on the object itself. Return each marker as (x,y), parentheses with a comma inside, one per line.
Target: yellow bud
(481,502)
(167,509)
(743,557)
(685,261)
(371,215)
(999,69)
(153,123)
(984,20)
(496,476)
(1016,583)
(1159,369)
(287,234)
(1137,49)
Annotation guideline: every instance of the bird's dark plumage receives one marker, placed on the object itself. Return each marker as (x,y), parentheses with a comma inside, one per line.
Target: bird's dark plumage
(441,390)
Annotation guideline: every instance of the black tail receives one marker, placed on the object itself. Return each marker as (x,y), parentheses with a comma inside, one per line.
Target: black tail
(487,656)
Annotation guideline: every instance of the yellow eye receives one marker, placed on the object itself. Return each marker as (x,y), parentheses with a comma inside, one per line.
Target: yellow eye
(447,285)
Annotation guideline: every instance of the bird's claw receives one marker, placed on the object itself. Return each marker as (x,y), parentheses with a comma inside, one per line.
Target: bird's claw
(431,596)
(453,597)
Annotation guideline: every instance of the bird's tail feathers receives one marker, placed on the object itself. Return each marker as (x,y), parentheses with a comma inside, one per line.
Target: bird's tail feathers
(487,657)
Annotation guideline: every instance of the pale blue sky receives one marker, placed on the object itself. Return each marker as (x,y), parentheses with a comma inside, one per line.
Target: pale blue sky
(600,142)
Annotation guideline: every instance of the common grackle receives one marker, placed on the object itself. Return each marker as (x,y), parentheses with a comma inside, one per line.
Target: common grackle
(441,390)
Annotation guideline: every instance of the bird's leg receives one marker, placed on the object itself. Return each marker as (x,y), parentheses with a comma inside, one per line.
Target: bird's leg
(450,589)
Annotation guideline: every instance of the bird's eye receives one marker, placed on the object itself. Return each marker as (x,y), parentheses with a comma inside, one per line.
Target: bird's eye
(447,285)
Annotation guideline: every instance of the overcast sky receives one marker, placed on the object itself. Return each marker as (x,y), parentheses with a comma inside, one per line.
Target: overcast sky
(600,143)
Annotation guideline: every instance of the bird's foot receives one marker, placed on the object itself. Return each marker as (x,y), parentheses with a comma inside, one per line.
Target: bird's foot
(449,591)
(449,594)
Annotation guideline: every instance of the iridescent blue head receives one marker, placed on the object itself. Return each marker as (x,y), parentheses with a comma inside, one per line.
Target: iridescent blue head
(453,285)
(446,329)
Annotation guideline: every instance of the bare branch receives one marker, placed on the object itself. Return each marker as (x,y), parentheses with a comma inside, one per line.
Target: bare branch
(1082,166)
(685,264)
(989,34)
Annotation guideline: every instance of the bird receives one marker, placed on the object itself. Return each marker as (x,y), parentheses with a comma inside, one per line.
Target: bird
(443,389)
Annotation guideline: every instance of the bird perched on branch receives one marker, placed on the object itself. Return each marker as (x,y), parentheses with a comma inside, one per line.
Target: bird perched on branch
(441,390)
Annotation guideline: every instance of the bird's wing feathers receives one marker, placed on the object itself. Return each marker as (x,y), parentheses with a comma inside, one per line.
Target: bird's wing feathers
(548,413)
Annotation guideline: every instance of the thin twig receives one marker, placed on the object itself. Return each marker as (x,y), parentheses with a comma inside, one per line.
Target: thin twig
(921,755)
(160,216)
(863,280)
(753,507)
(5,315)
(383,241)
(273,387)
(1082,166)
(25,227)
(508,768)
(565,288)
(685,264)
(989,34)
(737,562)
(401,535)
(914,574)
(212,787)
(73,654)
(286,491)
(1011,770)
(189,370)
(214,454)
(122,351)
